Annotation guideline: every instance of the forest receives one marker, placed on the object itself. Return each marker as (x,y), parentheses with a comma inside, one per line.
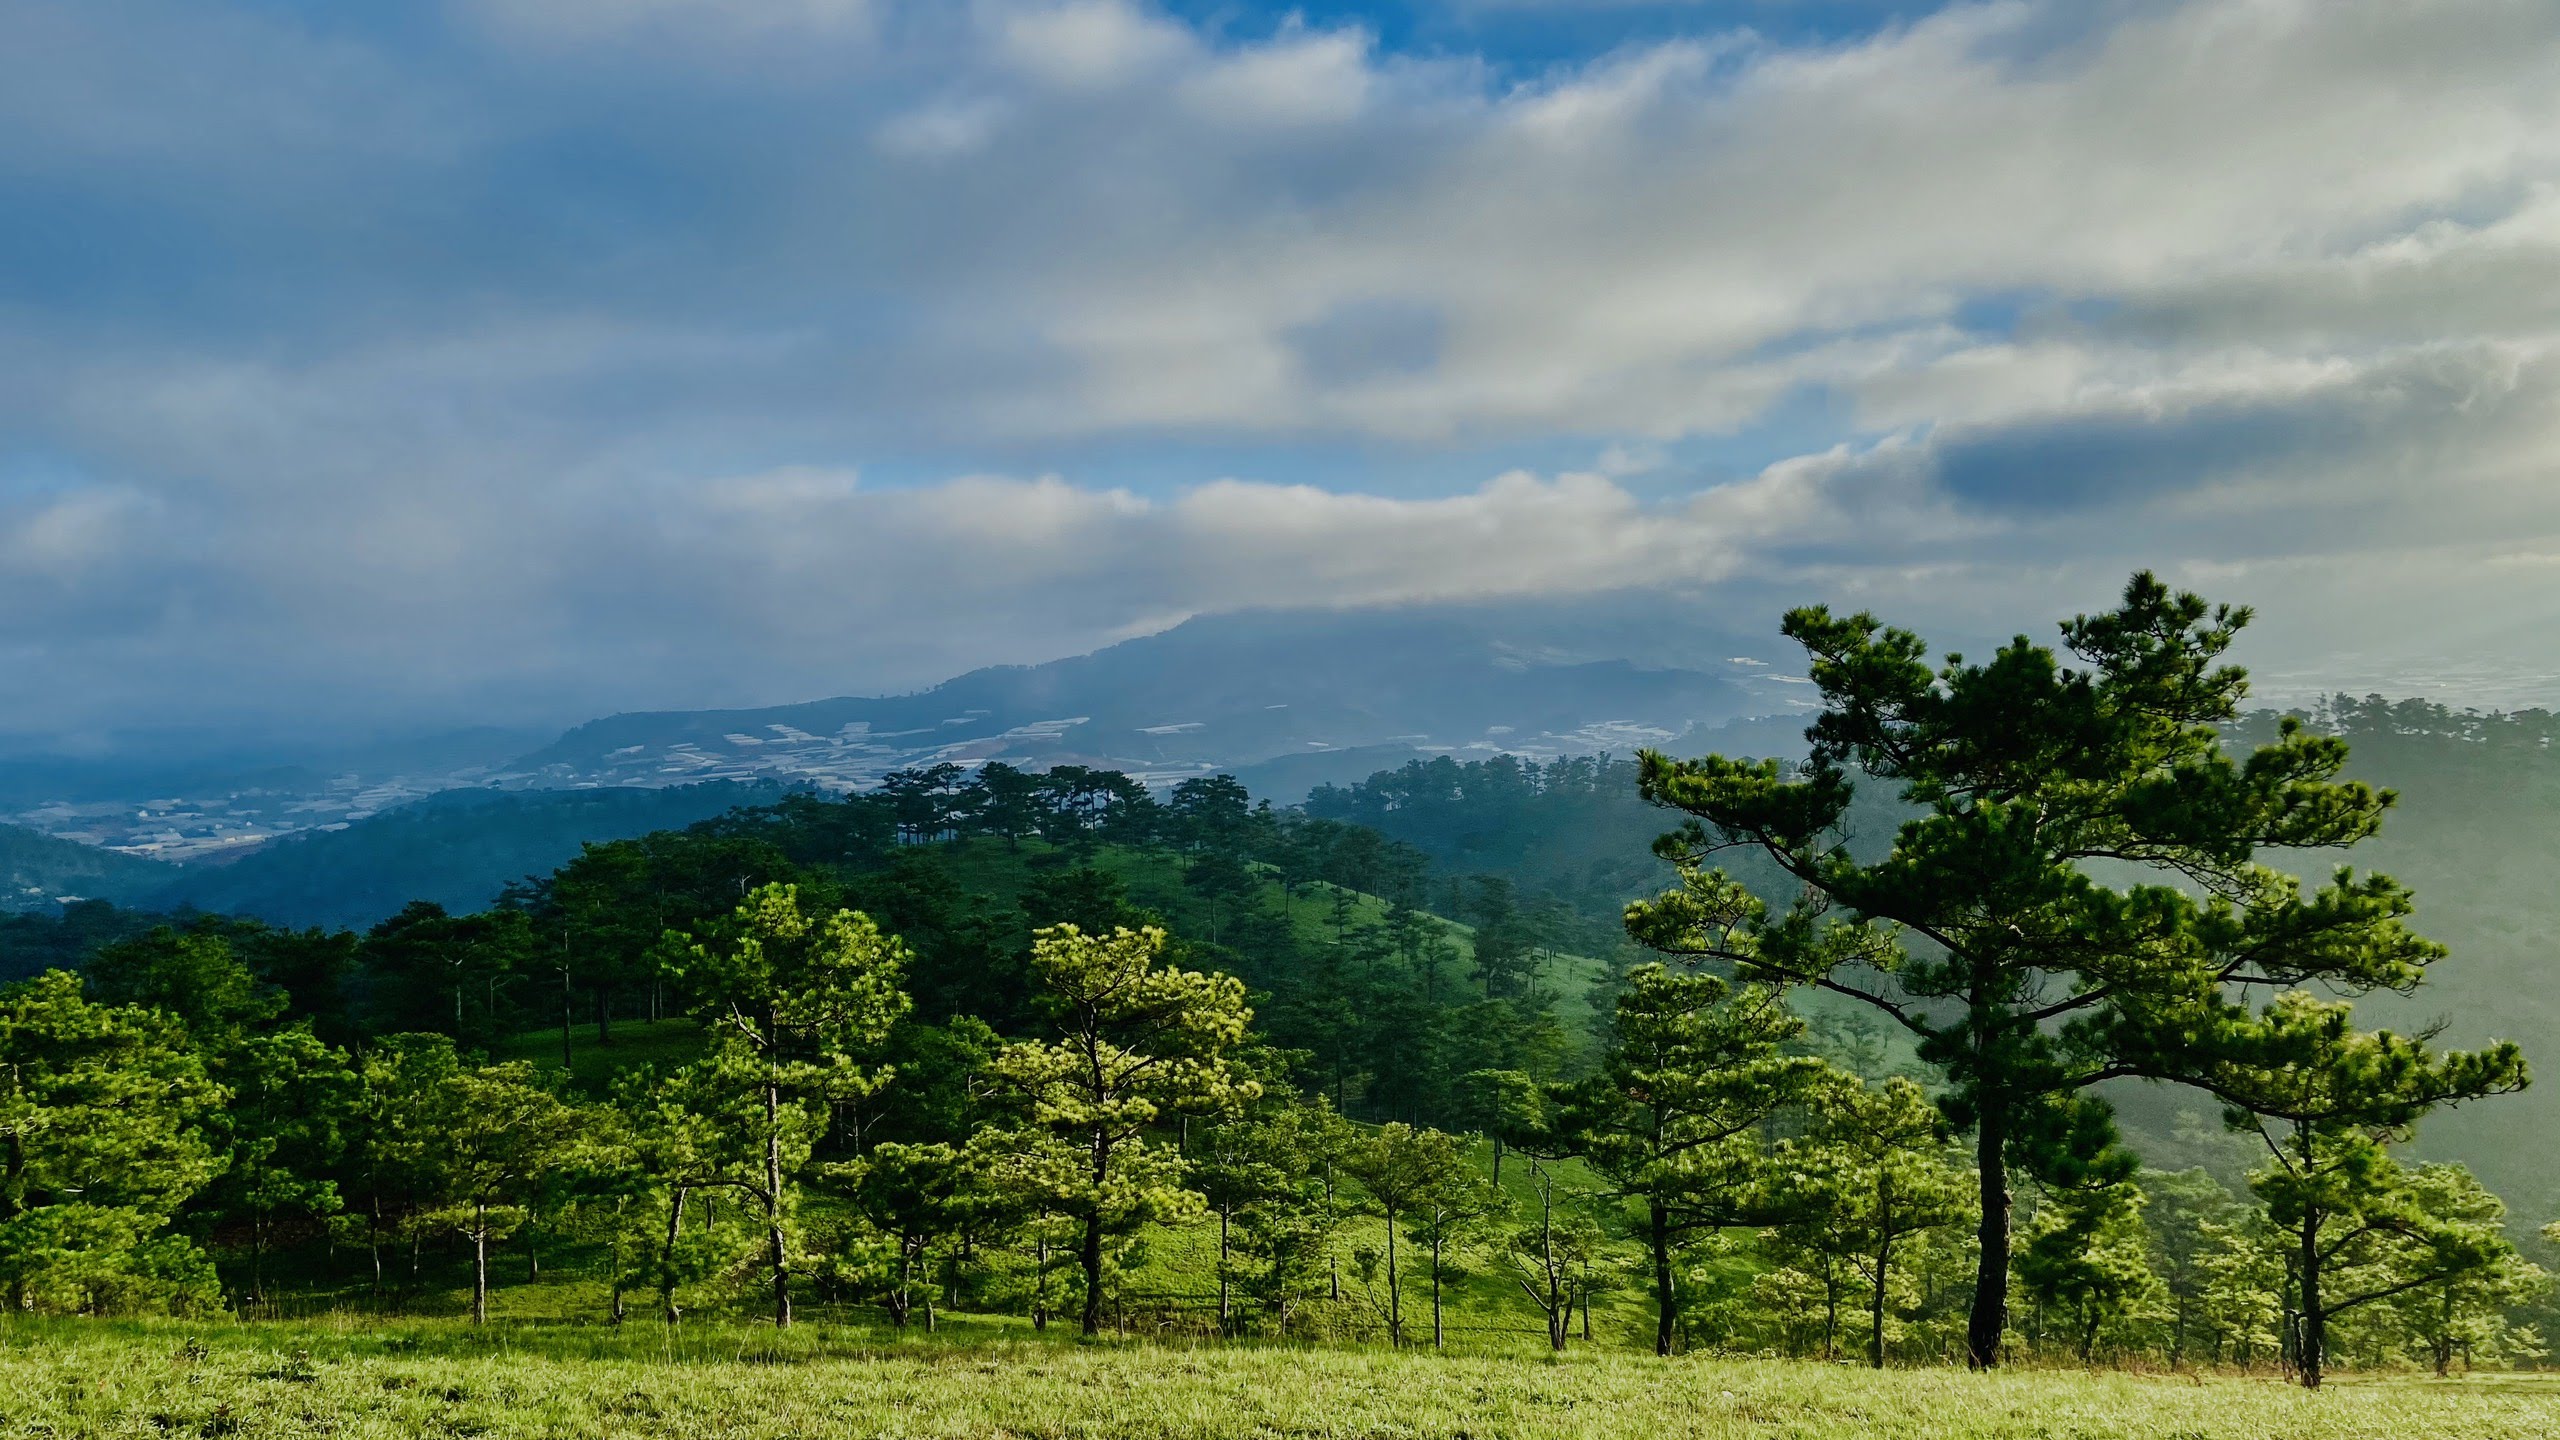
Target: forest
(1839,1057)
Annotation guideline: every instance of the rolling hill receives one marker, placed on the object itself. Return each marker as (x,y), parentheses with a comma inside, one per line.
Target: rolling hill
(1220,693)
(38,871)
(459,849)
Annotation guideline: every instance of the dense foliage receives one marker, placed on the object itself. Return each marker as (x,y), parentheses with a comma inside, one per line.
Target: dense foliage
(995,1041)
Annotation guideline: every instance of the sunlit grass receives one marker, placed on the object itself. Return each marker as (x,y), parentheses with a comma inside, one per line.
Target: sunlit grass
(359,1379)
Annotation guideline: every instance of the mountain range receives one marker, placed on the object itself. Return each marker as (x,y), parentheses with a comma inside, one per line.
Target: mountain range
(1284,699)
(1224,693)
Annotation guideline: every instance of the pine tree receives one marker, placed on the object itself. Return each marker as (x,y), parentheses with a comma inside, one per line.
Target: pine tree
(1501,1106)
(1243,1164)
(2465,1313)
(1423,1185)
(2087,1263)
(1672,1118)
(678,1131)
(912,1197)
(1447,1212)
(290,1097)
(1286,1238)
(103,1111)
(1983,932)
(1553,1251)
(2329,1101)
(1870,1176)
(1134,1040)
(495,1134)
(795,1003)
(2187,1210)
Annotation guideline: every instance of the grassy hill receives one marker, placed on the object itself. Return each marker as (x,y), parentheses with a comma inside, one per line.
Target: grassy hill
(2476,834)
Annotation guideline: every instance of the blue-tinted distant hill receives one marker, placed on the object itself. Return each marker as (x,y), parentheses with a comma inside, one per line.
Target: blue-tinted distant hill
(147,764)
(459,849)
(37,871)
(1227,691)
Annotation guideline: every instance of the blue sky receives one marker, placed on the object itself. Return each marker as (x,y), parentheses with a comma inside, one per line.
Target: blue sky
(527,359)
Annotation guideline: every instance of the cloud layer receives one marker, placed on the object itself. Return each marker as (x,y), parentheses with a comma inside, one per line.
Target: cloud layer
(526,358)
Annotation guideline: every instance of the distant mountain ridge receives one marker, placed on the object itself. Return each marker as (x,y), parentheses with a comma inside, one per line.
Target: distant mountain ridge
(1297,697)
(1216,693)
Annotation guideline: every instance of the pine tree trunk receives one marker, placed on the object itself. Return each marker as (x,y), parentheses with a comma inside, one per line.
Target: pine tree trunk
(778,1252)
(1040,1284)
(2315,1321)
(1990,1313)
(1395,1292)
(667,1310)
(2444,1343)
(480,1265)
(1666,1293)
(1437,1342)
(1875,1304)
(898,1299)
(1092,1260)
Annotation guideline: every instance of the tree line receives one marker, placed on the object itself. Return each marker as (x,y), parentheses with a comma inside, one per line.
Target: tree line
(905,1097)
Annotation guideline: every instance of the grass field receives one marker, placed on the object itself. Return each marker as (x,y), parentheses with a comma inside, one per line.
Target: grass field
(355,1379)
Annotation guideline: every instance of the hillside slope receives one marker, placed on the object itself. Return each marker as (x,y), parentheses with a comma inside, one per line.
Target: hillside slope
(1216,692)
(2476,834)
(38,871)
(459,849)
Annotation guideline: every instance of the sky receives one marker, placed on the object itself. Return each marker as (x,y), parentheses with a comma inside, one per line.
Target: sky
(525,360)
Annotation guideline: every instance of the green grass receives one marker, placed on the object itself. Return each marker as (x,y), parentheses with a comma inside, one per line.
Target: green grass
(72,1379)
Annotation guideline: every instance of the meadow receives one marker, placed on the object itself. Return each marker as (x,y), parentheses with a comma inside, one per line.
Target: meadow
(358,1379)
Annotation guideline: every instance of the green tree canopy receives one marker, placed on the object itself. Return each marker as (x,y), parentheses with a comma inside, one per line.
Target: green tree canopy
(493,1133)
(1134,1039)
(1990,931)
(795,1004)
(2329,1101)
(1671,1119)
(1870,1175)
(102,1138)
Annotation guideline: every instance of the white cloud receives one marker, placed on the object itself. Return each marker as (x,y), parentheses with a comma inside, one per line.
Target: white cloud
(1090,45)
(1621,249)
(572,22)
(434,371)
(942,130)
(1299,78)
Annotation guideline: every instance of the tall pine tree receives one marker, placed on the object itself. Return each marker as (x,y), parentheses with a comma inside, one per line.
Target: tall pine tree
(1990,930)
